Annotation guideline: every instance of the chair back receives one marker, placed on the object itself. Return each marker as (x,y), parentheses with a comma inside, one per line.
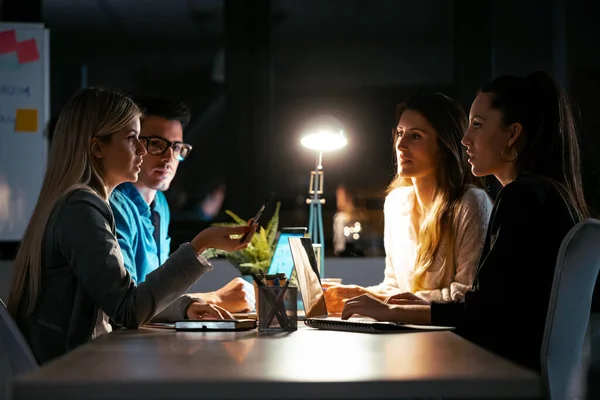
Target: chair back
(13,344)
(568,315)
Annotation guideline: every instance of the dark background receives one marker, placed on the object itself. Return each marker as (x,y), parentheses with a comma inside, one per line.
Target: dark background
(287,60)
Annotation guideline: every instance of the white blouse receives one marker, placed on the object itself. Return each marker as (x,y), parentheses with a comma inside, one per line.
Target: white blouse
(400,241)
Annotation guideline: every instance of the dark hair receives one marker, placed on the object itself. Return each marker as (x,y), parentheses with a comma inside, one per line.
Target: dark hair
(550,147)
(165,108)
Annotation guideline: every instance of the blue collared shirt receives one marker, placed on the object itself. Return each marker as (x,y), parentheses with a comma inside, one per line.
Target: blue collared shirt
(135,230)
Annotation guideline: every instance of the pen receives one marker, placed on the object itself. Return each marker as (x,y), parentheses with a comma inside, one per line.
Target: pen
(259,282)
(262,277)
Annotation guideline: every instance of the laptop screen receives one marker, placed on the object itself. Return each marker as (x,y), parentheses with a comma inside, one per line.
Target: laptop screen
(309,282)
(282,257)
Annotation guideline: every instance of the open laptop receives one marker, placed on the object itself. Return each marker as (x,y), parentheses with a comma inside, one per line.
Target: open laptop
(313,297)
(282,257)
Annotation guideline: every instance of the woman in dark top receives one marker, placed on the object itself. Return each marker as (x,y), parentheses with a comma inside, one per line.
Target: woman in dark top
(69,277)
(521,131)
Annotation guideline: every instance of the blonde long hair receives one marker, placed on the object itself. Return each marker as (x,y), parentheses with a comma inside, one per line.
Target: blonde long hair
(90,113)
(453,178)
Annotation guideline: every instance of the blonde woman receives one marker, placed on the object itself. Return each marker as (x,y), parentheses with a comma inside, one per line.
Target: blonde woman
(69,277)
(435,218)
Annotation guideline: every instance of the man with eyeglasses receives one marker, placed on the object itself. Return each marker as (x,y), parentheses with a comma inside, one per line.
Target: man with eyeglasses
(141,211)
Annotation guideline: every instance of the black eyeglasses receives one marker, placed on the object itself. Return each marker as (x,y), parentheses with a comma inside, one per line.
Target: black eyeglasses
(158,146)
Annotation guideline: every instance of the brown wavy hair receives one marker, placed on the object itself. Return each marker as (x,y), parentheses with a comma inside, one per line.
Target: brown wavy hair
(453,177)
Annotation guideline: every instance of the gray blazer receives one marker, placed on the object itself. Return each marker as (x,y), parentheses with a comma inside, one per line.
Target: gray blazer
(83,274)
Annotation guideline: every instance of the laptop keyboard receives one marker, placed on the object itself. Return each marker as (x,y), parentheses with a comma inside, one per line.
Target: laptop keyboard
(351,325)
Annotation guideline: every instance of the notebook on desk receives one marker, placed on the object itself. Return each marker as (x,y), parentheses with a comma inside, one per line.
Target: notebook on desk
(315,307)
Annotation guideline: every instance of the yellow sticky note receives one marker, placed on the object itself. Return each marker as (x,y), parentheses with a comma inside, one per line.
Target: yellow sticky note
(26,120)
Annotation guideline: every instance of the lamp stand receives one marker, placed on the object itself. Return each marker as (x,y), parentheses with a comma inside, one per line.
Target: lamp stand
(315,220)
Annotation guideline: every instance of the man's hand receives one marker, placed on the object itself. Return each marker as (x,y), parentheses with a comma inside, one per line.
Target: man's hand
(197,310)
(235,296)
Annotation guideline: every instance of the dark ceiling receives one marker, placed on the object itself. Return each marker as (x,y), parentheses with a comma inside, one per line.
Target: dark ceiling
(140,20)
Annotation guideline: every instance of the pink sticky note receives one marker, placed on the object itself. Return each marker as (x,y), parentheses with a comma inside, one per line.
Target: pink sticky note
(8,42)
(27,51)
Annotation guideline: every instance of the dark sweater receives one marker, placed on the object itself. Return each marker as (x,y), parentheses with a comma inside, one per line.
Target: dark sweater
(83,275)
(506,309)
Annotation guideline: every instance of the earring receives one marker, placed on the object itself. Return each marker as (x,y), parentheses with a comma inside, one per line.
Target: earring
(511,159)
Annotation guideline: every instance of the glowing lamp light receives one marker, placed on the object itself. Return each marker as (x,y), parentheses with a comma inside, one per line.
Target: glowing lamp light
(324,140)
(324,133)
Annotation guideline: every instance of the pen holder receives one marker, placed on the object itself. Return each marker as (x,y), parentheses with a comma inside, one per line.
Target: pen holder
(277,309)
(268,279)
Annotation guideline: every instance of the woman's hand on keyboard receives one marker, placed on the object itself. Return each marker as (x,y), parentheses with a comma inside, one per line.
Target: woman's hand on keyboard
(336,296)
(369,306)
(406,298)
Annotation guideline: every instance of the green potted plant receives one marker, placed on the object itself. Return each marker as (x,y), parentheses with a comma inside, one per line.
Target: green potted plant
(257,256)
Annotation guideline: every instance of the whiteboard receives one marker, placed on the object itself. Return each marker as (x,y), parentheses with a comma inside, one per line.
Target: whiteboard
(24,112)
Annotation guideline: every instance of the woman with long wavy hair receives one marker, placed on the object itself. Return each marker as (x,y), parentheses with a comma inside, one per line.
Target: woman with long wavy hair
(435,215)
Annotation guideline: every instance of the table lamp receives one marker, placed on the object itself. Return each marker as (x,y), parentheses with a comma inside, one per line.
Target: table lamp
(322,133)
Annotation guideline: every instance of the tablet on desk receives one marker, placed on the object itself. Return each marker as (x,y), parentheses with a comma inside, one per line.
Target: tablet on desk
(216,325)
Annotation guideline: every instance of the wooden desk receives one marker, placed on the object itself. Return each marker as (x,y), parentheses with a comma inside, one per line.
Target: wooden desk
(161,364)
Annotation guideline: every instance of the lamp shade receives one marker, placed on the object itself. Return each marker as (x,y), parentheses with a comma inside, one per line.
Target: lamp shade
(324,133)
